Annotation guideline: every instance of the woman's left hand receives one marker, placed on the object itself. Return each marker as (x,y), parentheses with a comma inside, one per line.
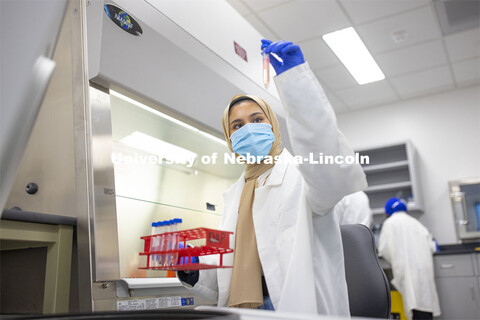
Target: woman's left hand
(290,53)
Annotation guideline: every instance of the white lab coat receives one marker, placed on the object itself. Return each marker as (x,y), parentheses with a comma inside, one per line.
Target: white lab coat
(298,236)
(354,208)
(408,246)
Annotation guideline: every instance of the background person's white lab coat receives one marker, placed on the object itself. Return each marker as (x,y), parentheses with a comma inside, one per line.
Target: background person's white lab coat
(408,246)
(353,209)
(298,235)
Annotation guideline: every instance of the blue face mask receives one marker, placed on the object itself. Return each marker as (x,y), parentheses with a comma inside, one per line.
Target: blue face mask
(255,139)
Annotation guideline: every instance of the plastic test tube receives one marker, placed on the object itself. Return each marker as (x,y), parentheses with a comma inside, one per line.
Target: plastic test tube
(173,226)
(160,231)
(153,244)
(164,257)
(266,69)
(174,242)
(163,243)
(158,242)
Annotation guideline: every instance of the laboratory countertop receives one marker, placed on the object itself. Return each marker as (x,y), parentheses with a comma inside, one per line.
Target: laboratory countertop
(37,217)
(447,249)
(458,248)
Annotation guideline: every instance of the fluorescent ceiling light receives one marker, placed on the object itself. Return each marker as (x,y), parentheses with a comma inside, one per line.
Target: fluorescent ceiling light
(351,51)
(180,123)
(164,150)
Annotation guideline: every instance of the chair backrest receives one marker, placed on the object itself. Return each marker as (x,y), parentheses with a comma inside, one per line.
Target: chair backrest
(368,288)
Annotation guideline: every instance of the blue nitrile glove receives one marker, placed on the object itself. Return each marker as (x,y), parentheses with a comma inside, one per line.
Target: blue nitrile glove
(290,53)
(185,260)
(190,277)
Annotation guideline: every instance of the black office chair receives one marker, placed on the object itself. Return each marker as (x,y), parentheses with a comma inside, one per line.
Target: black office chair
(368,287)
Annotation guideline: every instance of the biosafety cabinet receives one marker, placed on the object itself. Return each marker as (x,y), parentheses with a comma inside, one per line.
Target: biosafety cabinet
(161,73)
(145,84)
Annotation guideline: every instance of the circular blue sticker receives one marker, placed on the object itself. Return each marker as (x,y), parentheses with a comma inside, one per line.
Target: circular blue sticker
(123,19)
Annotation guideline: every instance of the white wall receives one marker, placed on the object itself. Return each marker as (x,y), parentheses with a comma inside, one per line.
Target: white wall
(445,130)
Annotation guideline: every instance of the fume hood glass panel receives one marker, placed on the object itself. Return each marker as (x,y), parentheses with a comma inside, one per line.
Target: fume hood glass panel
(472,206)
(152,184)
(465,198)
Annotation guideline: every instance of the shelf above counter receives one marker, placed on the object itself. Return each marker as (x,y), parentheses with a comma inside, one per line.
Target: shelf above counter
(388,186)
(385,166)
(392,172)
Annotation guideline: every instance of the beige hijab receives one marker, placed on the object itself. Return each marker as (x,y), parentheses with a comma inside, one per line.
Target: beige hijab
(246,283)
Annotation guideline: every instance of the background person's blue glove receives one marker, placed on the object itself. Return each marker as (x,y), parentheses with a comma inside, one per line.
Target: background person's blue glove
(290,53)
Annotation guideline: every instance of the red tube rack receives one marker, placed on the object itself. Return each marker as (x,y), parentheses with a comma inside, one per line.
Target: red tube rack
(217,242)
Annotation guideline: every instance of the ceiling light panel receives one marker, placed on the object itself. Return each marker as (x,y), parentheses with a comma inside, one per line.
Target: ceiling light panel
(352,52)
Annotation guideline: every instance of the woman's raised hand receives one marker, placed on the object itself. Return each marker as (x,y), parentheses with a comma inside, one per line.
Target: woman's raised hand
(290,53)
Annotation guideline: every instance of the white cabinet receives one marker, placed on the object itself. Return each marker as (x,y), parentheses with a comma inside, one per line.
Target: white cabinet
(457,279)
(391,172)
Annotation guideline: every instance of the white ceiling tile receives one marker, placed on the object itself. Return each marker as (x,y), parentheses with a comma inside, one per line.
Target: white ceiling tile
(463,45)
(336,77)
(417,66)
(367,95)
(420,25)
(259,5)
(361,11)
(340,110)
(323,84)
(318,54)
(423,82)
(415,58)
(261,28)
(467,72)
(304,19)
(240,7)
(337,105)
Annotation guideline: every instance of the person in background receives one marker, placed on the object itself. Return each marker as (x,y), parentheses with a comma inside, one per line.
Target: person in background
(288,248)
(408,246)
(354,209)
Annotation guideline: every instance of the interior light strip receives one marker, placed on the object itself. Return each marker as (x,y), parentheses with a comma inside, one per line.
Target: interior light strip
(158,113)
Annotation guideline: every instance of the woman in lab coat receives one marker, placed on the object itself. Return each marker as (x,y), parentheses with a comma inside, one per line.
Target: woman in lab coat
(282,213)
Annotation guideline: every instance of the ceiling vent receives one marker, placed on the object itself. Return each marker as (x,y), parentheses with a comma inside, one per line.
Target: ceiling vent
(457,15)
